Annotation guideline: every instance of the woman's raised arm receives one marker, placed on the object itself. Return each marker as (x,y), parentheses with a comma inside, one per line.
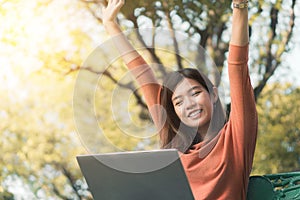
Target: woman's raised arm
(136,64)
(109,14)
(243,116)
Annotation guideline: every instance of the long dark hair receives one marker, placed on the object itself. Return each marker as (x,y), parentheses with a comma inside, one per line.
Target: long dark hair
(174,133)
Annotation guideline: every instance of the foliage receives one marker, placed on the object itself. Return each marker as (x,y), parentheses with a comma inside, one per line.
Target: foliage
(43,54)
(207,22)
(5,195)
(38,138)
(278,146)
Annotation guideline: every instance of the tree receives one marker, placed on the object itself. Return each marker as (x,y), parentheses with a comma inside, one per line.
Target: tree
(208,22)
(38,135)
(38,138)
(278,146)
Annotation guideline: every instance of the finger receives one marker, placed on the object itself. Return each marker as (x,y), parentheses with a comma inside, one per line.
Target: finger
(120,3)
(110,2)
(114,1)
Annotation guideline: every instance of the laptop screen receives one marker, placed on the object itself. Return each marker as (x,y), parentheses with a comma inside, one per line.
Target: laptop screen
(145,175)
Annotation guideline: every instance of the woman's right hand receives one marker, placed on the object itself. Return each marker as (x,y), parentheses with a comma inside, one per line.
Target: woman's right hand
(110,12)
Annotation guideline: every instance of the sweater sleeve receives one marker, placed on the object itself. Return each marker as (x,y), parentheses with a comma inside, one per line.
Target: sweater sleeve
(149,86)
(243,116)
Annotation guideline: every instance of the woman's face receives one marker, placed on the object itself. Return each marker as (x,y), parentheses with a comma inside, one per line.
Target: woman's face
(193,104)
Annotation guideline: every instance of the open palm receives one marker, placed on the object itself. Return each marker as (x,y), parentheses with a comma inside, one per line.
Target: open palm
(110,12)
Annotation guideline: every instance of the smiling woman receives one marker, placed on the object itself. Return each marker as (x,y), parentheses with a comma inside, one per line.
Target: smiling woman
(217,155)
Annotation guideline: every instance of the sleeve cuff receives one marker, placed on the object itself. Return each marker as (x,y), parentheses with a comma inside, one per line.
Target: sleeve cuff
(238,54)
(136,62)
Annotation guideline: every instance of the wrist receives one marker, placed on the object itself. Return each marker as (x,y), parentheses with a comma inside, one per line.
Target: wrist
(109,23)
(240,4)
(112,27)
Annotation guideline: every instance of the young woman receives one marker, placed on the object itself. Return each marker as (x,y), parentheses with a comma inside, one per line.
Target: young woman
(217,155)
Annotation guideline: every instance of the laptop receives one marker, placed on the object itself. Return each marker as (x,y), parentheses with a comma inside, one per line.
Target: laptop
(137,175)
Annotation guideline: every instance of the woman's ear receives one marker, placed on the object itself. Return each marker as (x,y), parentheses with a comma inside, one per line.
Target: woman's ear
(215,94)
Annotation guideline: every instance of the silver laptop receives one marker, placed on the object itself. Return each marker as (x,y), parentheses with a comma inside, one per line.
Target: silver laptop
(137,175)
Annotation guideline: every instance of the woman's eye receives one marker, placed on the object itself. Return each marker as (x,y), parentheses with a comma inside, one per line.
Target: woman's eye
(178,103)
(196,93)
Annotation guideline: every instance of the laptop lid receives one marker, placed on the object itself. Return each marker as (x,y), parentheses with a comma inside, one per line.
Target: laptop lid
(137,175)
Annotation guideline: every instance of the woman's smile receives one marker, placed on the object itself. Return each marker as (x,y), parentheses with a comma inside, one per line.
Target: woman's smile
(195,113)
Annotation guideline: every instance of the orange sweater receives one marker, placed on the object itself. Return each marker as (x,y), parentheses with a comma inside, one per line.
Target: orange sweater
(218,169)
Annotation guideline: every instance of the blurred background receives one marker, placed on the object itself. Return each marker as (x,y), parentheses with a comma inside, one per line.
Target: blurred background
(45,45)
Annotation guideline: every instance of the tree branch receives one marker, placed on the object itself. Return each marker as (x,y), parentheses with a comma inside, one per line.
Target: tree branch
(71,180)
(274,61)
(57,192)
(151,49)
(172,32)
(106,73)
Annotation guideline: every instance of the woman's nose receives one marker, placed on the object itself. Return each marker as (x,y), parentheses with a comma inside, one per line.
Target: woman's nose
(190,103)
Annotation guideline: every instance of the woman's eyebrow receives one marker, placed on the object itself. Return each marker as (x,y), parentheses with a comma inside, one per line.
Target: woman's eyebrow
(177,97)
(195,87)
